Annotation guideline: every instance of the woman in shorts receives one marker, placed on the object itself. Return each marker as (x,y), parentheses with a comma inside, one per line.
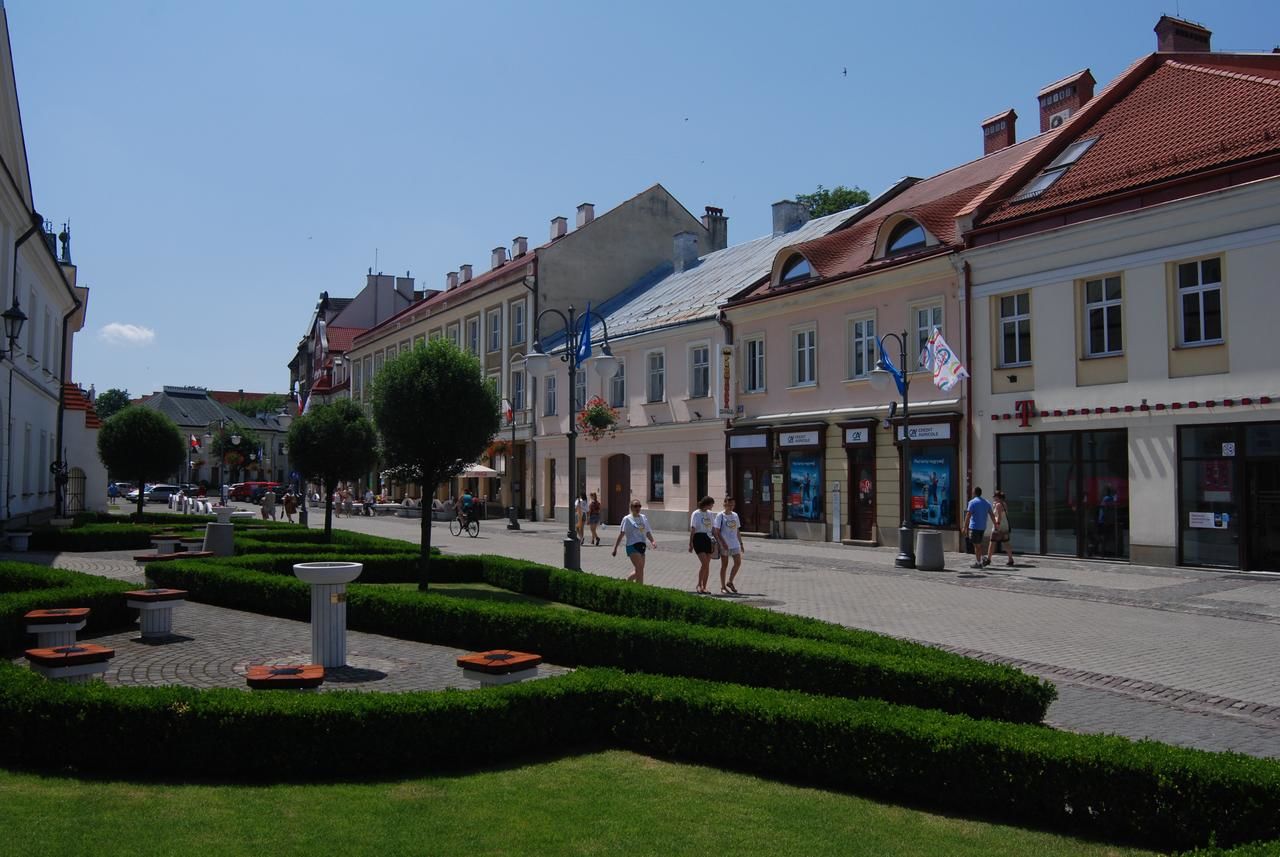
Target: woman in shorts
(701,540)
(593,517)
(727,528)
(635,529)
(1001,530)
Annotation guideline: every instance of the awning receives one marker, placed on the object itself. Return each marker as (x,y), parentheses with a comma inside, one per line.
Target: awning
(478,470)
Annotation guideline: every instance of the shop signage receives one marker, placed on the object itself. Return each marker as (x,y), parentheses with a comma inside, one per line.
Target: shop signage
(929,431)
(1210,520)
(1228,450)
(1025,409)
(798,438)
(748,441)
(857,435)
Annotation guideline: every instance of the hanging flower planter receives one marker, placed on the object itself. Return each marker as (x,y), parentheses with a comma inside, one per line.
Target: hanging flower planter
(498,447)
(598,419)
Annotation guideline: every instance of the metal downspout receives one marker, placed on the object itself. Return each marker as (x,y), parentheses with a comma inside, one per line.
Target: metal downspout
(36,223)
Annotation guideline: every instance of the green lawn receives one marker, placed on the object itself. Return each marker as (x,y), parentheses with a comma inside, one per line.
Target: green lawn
(485,592)
(608,803)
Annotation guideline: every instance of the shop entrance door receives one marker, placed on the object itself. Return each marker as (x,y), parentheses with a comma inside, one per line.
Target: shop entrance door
(754,493)
(619,489)
(862,493)
(1263,493)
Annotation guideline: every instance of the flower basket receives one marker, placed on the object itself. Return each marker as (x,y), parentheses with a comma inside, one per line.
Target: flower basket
(498,447)
(598,419)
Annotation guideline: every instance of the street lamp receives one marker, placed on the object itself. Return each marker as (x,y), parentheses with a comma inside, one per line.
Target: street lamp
(512,522)
(882,377)
(14,318)
(577,346)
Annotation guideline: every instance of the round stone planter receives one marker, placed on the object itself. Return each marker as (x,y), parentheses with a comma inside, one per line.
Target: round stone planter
(327,572)
(224,513)
(328,608)
(19,542)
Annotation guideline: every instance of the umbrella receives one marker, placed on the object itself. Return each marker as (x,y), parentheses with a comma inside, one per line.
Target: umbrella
(478,470)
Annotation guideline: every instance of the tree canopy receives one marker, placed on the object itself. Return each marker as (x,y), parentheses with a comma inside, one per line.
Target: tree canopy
(331,443)
(110,402)
(271,403)
(141,444)
(435,412)
(824,201)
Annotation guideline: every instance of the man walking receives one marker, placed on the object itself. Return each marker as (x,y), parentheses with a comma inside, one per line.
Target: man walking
(975,521)
(368,502)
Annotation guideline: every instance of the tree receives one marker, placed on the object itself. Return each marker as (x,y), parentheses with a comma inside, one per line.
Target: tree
(435,412)
(234,455)
(111,402)
(271,403)
(143,444)
(824,201)
(331,443)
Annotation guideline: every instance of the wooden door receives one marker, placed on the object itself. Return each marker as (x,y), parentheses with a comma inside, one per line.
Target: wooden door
(753,493)
(862,492)
(618,490)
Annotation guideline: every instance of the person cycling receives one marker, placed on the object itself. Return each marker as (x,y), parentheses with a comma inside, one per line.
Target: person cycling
(467,508)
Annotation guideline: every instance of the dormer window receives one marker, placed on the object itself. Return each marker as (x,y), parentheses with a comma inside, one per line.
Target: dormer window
(1056,170)
(796,269)
(907,235)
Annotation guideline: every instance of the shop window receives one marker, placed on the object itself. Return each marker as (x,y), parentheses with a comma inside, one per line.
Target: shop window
(1200,302)
(657,486)
(804,486)
(1015,329)
(1018,476)
(1102,305)
(1209,499)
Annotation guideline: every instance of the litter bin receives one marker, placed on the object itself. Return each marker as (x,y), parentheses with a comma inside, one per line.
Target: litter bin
(929,550)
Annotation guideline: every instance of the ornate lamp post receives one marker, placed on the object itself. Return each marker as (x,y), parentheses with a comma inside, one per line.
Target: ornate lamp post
(513,523)
(577,350)
(14,318)
(882,379)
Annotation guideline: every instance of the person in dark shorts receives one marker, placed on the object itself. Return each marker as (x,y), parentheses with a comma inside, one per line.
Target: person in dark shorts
(635,528)
(702,540)
(975,521)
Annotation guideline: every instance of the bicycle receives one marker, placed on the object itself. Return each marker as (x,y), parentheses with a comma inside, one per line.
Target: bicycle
(458,524)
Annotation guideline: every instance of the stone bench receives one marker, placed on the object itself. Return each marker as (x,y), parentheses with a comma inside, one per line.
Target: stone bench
(285,677)
(78,663)
(500,666)
(56,627)
(386,508)
(166,543)
(156,606)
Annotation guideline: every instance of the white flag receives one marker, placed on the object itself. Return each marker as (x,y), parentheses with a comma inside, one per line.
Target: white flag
(947,369)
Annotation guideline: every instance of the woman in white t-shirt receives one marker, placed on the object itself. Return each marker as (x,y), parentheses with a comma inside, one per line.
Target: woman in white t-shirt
(580,514)
(635,529)
(701,542)
(728,528)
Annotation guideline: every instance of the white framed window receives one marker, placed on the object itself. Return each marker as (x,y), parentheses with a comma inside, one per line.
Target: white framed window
(926,318)
(391,352)
(377,364)
(454,336)
(549,398)
(517,390)
(26,459)
(420,339)
(368,370)
(356,379)
(1104,324)
(1015,329)
(495,330)
(699,371)
(473,336)
(1200,302)
(862,346)
(753,365)
(580,389)
(618,386)
(656,375)
(404,346)
(434,335)
(804,356)
(496,380)
(517,323)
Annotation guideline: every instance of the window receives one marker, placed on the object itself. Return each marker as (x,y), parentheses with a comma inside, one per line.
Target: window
(580,390)
(355,380)
(1056,169)
(927,318)
(453,336)
(753,371)
(517,390)
(1015,329)
(517,323)
(1200,301)
(805,352)
(495,330)
(618,386)
(862,346)
(700,371)
(473,335)
(495,380)
(418,340)
(404,346)
(1104,332)
(377,364)
(657,388)
(549,400)
(656,482)
(797,268)
(368,369)
(391,352)
(907,235)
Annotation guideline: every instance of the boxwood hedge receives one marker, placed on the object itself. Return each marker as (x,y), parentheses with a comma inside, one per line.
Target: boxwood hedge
(25,587)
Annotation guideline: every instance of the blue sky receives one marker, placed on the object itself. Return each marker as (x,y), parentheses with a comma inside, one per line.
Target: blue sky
(222,164)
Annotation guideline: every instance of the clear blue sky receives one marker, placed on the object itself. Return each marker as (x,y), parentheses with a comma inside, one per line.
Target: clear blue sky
(223,163)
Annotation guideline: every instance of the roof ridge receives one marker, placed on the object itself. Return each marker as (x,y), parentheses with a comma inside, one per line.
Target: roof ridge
(1221,72)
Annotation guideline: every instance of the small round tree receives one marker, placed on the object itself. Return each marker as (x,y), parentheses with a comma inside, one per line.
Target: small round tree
(330,443)
(435,411)
(142,444)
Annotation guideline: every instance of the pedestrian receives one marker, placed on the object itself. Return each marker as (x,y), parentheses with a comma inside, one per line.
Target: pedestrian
(727,528)
(1001,529)
(113,491)
(290,505)
(701,542)
(337,504)
(975,521)
(580,507)
(368,502)
(593,517)
(635,529)
(269,504)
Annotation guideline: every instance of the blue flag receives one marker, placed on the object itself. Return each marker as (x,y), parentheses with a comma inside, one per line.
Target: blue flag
(584,337)
(893,370)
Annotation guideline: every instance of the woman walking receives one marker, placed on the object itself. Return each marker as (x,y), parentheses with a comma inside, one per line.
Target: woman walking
(727,527)
(635,529)
(580,513)
(701,523)
(1000,528)
(593,517)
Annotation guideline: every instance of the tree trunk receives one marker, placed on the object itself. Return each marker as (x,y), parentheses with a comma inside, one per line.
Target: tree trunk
(424,560)
(142,497)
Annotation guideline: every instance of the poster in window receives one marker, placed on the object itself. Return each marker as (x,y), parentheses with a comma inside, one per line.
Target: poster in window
(932,478)
(804,487)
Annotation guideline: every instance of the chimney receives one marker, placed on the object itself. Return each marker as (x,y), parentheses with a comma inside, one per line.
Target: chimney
(686,251)
(450,281)
(1177,35)
(559,227)
(717,228)
(497,258)
(519,246)
(404,285)
(1064,97)
(788,216)
(997,132)
(464,272)
(586,214)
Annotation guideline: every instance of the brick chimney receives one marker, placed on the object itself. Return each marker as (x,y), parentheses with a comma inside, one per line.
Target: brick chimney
(998,133)
(464,274)
(1064,97)
(497,258)
(788,216)
(685,255)
(1174,35)
(519,246)
(586,214)
(450,281)
(717,228)
(559,227)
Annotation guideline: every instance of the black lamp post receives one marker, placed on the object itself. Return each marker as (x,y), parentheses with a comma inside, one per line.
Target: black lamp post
(537,363)
(512,522)
(14,318)
(881,378)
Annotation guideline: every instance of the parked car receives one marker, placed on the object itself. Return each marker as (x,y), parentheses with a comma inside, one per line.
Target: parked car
(260,488)
(132,496)
(161,493)
(239,491)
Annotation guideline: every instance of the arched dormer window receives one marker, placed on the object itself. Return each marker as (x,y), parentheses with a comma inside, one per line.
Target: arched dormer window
(907,235)
(797,268)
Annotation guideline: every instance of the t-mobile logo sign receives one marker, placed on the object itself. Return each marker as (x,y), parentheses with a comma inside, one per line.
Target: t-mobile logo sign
(1025,409)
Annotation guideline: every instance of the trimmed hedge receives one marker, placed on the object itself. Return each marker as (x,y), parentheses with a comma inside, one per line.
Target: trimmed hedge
(1097,786)
(25,587)
(925,677)
(93,537)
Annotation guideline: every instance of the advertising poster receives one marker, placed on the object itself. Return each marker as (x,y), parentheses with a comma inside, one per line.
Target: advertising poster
(804,491)
(932,478)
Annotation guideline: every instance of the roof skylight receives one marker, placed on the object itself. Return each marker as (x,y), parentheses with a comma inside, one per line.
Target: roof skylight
(1056,169)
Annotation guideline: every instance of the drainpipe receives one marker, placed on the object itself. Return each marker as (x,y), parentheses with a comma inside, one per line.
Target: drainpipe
(728,421)
(532,318)
(968,388)
(36,223)
(60,466)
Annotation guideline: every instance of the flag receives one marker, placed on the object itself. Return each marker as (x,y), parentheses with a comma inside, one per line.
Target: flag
(947,369)
(893,370)
(306,406)
(195,444)
(584,337)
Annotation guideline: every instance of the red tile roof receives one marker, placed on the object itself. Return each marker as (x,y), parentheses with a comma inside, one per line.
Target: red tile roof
(74,399)
(340,338)
(1186,114)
